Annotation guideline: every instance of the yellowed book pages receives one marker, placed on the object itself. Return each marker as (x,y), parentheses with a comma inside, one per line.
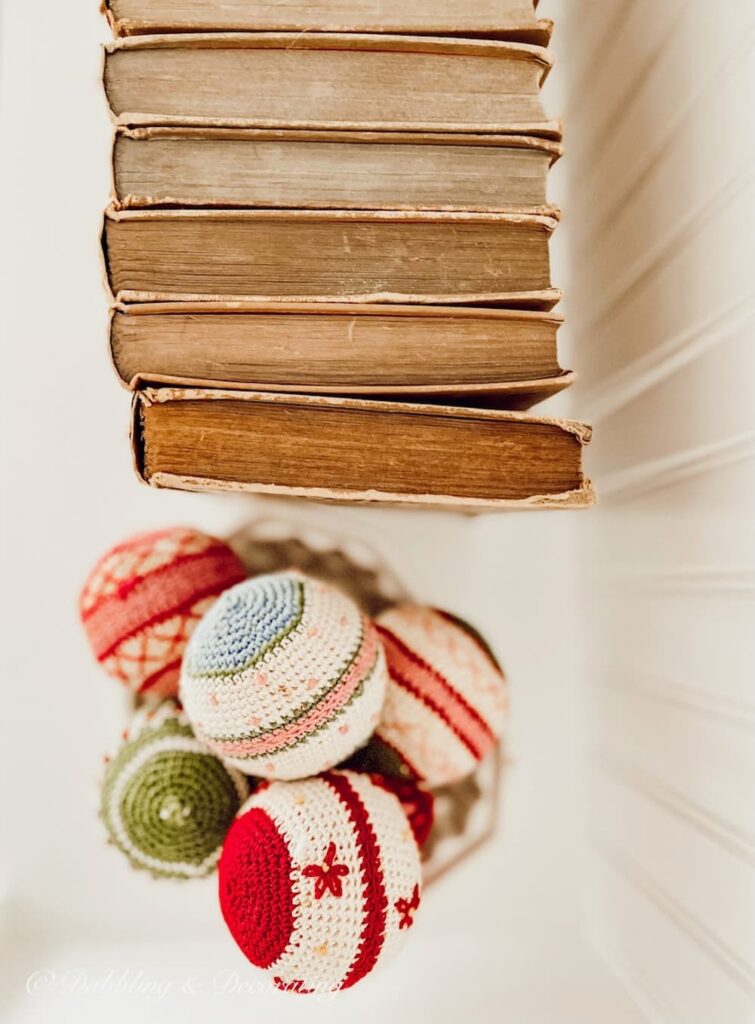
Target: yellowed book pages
(328,81)
(336,256)
(503,19)
(357,451)
(249,167)
(459,355)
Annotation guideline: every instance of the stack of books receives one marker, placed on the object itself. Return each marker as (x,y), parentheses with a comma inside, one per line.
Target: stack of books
(328,248)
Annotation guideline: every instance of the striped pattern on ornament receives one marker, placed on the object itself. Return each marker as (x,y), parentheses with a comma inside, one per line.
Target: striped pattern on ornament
(447,698)
(331,866)
(144,598)
(285,677)
(167,802)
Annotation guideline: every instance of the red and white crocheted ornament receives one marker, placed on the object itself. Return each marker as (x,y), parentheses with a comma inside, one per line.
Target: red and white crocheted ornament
(143,599)
(417,803)
(320,880)
(447,698)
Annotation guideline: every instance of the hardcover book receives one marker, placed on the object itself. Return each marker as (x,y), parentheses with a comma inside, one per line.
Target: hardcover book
(328,81)
(504,19)
(466,355)
(353,450)
(251,167)
(305,255)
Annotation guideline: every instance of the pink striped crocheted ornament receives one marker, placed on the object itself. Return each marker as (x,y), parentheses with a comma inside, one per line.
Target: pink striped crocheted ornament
(285,677)
(447,698)
(143,599)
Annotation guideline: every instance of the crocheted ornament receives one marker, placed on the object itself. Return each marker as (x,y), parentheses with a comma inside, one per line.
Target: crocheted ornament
(167,802)
(319,880)
(284,677)
(418,804)
(447,697)
(145,596)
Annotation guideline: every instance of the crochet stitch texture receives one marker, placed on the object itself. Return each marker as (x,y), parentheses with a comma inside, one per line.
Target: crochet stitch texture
(320,880)
(167,802)
(143,599)
(284,677)
(418,804)
(447,697)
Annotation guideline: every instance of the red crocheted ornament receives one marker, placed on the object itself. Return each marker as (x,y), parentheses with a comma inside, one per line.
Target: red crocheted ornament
(256,898)
(319,880)
(144,598)
(418,804)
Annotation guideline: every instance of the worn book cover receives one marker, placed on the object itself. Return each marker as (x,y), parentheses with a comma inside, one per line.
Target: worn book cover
(328,81)
(464,355)
(353,450)
(330,255)
(275,168)
(501,19)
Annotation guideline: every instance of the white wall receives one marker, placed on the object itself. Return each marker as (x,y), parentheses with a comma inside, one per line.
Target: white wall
(660,307)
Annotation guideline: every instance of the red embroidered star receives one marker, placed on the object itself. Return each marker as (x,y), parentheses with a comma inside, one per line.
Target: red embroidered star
(327,875)
(297,985)
(406,908)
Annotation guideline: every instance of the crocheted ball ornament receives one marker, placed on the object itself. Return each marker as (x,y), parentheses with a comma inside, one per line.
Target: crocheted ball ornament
(145,596)
(167,802)
(418,804)
(319,880)
(284,677)
(447,697)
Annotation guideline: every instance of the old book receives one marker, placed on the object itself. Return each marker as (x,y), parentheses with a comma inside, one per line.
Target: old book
(331,170)
(305,255)
(468,355)
(353,450)
(503,19)
(320,80)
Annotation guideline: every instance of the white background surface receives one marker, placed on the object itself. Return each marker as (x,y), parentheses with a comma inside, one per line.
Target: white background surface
(501,938)
(661,308)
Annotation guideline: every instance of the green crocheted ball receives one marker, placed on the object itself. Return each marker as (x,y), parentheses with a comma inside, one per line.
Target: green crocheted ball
(167,802)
